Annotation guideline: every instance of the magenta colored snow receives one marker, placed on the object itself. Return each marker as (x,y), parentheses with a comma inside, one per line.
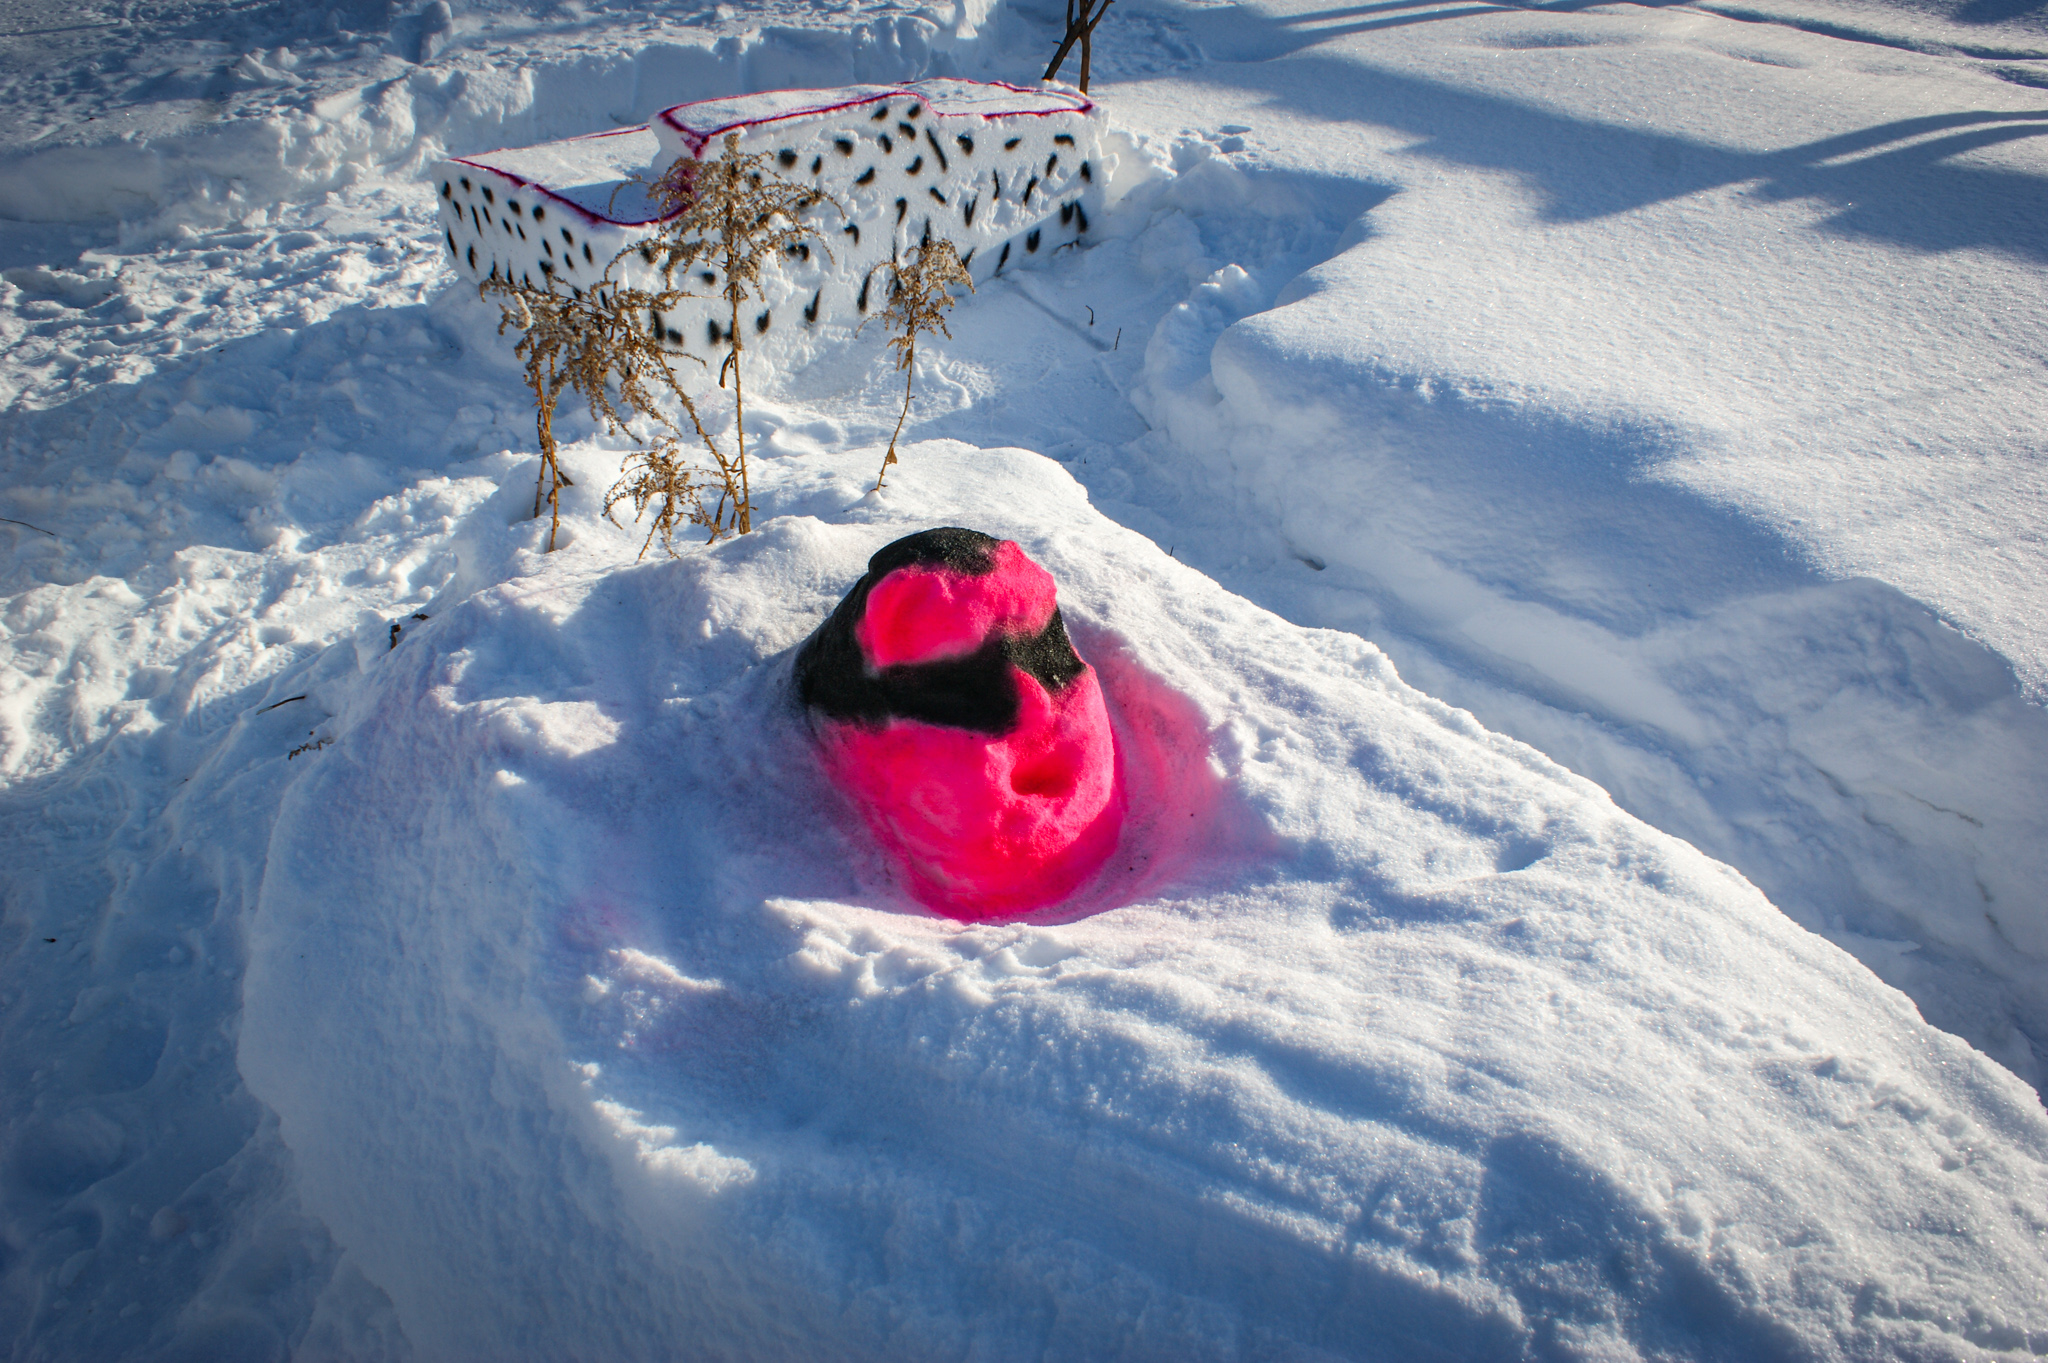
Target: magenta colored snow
(920,615)
(980,825)
(986,827)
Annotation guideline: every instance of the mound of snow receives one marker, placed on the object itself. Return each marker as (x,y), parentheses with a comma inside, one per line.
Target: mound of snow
(597,1027)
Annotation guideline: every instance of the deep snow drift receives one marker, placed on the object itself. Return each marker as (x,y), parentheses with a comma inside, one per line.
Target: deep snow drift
(588,1010)
(1661,385)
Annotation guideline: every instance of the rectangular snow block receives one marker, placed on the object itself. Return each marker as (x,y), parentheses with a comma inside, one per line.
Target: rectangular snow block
(1009,175)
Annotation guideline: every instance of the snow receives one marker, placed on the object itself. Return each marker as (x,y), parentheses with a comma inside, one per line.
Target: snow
(1008,175)
(1552,492)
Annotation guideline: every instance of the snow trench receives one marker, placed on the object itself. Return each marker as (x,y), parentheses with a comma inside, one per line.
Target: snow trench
(1876,771)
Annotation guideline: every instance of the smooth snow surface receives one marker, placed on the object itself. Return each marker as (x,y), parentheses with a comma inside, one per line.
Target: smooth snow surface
(418,946)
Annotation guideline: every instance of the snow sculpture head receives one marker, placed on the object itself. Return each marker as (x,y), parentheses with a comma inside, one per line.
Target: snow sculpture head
(954,711)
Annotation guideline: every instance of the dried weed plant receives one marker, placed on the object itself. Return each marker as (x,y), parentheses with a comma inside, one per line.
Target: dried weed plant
(920,291)
(734,214)
(592,341)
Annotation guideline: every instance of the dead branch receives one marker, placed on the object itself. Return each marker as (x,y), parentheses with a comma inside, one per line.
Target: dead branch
(1081,22)
(919,295)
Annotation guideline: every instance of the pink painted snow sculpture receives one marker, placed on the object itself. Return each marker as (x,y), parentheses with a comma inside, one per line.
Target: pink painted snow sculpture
(952,708)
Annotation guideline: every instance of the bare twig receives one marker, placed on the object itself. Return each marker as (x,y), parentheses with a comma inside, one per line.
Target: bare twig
(919,295)
(1081,22)
(9,520)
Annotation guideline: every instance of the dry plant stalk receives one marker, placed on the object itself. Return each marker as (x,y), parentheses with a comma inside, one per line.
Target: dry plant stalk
(919,293)
(591,341)
(1080,27)
(735,214)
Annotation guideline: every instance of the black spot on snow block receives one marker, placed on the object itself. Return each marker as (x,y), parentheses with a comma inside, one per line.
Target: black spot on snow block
(853,230)
(761,323)
(1031,242)
(712,330)
(902,207)
(1088,172)
(547,267)
(1011,145)
(966,144)
(971,203)
(914,111)
(914,167)
(517,211)
(586,254)
(547,250)
(646,253)
(997,181)
(937,150)
(785,158)
(539,213)
(707,276)
(447,190)
(977,692)
(926,239)
(1062,139)
(472,261)
(465,184)
(1051,161)
(882,114)
(866,176)
(817,164)
(811,312)
(1066,214)
(863,299)
(845,145)
(1080,218)
(936,195)
(566,237)
(487,195)
(907,131)
(515,227)
(1004,258)
(968,259)
(1031,185)
(674,337)
(451,243)
(887,145)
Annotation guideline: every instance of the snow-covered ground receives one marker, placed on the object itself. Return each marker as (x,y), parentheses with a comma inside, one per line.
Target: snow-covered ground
(1661,386)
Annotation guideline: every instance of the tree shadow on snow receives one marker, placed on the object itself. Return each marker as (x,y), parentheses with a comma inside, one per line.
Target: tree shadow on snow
(1899,182)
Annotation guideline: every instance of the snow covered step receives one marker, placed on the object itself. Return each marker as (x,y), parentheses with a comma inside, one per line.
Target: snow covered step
(1009,175)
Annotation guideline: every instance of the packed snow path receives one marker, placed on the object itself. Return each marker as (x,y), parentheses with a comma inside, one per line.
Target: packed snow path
(1659,385)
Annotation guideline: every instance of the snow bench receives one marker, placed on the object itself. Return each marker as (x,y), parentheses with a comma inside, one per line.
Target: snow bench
(1009,175)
